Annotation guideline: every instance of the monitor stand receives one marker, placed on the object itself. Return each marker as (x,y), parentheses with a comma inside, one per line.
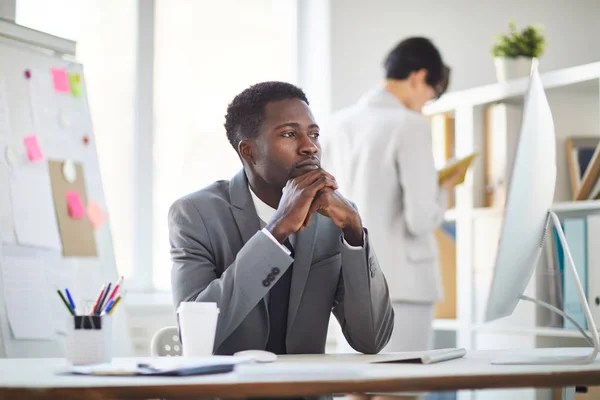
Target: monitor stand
(562,360)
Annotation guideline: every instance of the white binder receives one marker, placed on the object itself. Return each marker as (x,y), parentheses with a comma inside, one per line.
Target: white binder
(593,265)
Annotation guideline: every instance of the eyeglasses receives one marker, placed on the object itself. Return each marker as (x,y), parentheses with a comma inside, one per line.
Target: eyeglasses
(440,87)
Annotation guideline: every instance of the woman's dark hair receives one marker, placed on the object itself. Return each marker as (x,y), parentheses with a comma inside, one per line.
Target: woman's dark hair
(417,53)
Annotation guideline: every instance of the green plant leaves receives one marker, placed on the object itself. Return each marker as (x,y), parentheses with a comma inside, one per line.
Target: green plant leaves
(528,43)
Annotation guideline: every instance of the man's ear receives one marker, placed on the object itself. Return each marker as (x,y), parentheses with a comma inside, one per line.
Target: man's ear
(246,150)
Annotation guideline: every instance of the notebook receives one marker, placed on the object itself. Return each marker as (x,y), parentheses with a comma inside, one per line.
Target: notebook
(449,169)
(162,366)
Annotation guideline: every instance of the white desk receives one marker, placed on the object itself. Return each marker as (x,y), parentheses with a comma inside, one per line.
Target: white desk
(292,376)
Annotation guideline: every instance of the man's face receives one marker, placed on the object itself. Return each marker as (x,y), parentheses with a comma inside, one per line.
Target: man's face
(287,145)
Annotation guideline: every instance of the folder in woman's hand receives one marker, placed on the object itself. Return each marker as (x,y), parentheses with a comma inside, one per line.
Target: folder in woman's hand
(452,167)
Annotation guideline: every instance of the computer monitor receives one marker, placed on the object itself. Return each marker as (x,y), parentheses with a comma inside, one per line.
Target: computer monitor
(527,215)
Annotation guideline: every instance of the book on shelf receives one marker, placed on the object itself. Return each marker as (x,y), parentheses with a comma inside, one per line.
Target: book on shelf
(580,150)
(446,240)
(589,187)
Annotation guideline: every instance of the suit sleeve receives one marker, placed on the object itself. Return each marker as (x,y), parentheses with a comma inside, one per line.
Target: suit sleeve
(424,201)
(194,275)
(363,307)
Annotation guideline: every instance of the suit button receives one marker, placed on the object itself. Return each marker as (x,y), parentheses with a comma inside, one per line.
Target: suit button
(266,283)
(276,270)
(270,277)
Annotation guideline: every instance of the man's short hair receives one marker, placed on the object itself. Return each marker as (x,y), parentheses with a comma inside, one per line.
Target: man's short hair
(413,54)
(246,112)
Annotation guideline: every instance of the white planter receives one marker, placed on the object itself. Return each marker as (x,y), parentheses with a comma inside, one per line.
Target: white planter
(512,68)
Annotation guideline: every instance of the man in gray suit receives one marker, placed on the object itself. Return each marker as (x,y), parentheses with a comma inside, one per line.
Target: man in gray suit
(277,247)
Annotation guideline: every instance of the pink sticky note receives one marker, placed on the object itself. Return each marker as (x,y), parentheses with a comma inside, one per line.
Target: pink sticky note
(95,214)
(75,204)
(61,80)
(34,153)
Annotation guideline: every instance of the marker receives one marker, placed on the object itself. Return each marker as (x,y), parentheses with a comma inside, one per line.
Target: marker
(65,301)
(97,303)
(103,299)
(71,302)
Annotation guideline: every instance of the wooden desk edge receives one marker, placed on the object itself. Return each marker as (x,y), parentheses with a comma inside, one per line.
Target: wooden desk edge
(309,388)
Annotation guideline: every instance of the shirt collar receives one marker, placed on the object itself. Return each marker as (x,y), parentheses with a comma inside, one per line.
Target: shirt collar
(264,211)
(378,96)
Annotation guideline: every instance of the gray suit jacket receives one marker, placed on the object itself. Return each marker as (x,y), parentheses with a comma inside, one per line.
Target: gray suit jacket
(220,255)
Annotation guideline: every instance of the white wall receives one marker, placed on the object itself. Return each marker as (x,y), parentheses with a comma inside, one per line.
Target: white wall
(314,54)
(8,9)
(362,32)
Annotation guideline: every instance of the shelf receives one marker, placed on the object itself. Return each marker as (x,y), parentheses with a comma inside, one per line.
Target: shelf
(450,215)
(455,325)
(569,209)
(516,88)
(446,324)
(539,331)
(564,209)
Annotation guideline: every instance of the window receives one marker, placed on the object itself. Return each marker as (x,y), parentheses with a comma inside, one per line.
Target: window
(206,53)
(105,32)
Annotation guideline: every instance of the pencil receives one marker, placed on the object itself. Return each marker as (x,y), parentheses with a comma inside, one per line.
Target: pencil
(115,290)
(65,301)
(114,305)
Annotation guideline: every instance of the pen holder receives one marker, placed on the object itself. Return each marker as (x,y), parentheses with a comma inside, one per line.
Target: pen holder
(89,339)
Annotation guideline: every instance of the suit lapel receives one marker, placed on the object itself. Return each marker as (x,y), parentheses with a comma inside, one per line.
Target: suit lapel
(305,243)
(243,210)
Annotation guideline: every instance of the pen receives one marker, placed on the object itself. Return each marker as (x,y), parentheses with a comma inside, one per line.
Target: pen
(65,301)
(114,305)
(71,302)
(108,306)
(117,286)
(103,299)
(98,299)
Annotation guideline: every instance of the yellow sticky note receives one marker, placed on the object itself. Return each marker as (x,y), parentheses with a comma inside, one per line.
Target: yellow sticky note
(75,83)
(95,214)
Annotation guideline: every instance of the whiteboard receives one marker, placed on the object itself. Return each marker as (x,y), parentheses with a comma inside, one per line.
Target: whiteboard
(61,123)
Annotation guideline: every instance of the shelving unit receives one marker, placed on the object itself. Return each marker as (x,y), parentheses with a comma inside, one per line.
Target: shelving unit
(574,97)
(541,331)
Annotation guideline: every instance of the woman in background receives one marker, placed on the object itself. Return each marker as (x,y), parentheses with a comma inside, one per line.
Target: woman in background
(380,151)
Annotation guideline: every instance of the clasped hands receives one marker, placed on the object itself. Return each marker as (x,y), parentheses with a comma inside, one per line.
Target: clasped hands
(315,191)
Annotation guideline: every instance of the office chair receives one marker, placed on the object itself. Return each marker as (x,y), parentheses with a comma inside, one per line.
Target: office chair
(165,343)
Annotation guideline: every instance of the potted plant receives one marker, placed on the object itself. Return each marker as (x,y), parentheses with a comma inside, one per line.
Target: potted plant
(515,52)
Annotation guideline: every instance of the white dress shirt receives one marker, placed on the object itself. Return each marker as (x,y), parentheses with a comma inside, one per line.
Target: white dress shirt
(265,212)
